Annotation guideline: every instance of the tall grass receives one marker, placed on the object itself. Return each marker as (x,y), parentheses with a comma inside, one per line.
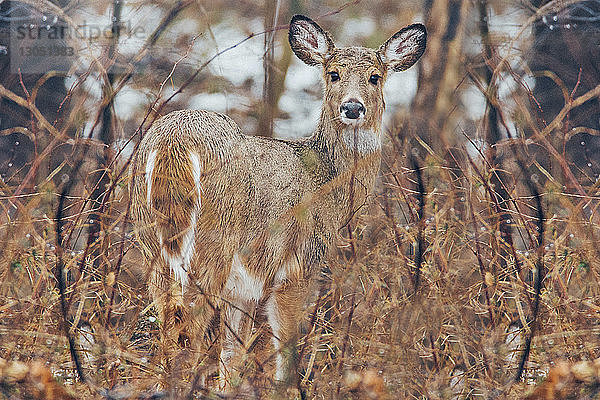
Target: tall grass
(426,296)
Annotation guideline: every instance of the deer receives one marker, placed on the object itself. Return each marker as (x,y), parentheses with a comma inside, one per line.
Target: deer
(230,224)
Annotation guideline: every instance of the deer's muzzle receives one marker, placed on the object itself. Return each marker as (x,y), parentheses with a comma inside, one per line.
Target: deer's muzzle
(352,109)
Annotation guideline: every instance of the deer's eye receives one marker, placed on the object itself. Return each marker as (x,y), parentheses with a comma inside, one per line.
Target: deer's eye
(334,76)
(374,79)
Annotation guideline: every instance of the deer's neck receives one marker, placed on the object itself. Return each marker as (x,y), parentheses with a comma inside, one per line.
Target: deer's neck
(345,145)
(350,157)
(363,142)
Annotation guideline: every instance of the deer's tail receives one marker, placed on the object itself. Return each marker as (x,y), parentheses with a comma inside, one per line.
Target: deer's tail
(174,195)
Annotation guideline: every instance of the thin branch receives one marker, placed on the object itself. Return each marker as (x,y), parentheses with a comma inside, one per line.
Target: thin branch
(420,223)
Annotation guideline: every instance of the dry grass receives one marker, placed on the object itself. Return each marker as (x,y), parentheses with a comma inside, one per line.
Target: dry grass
(427,299)
(436,342)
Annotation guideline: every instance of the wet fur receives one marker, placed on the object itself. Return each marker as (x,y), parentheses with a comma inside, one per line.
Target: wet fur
(262,212)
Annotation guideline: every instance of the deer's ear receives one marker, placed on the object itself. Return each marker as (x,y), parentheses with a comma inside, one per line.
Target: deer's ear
(404,48)
(308,41)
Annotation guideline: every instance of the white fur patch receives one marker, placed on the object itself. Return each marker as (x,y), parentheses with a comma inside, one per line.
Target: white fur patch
(406,43)
(273,317)
(272,313)
(367,141)
(241,288)
(352,122)
(241,284)
(281,275)
(308,36)
(233,318)
(149,171)
(179,264)
(196,169)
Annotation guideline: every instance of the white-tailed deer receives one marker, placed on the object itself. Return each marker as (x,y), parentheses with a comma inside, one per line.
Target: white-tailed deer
(229,221)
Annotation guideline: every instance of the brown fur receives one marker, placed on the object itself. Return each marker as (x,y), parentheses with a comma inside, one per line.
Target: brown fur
(273,205)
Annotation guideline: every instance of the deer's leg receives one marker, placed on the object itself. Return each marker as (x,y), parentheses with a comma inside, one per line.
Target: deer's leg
(169,307)
(196,351)
(231,323)
(185,319)
(284,311)
(242,291)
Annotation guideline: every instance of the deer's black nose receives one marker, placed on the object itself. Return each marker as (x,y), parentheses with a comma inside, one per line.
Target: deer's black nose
(352,109)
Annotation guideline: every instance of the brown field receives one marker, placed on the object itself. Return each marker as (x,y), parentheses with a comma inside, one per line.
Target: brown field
(472,272)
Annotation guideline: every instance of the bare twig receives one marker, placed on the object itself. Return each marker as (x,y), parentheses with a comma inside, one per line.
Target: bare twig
(60,278)
(533,323)
(420,223)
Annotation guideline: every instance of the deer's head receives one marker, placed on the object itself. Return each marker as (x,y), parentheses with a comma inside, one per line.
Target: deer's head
(354,76)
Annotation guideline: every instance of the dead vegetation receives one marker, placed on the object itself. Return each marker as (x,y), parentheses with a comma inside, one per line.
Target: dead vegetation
(472,273)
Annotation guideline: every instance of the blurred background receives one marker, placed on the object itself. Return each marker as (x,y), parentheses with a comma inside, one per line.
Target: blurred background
(478,247)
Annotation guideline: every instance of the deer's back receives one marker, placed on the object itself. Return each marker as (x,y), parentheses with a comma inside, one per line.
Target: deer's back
(251,195)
